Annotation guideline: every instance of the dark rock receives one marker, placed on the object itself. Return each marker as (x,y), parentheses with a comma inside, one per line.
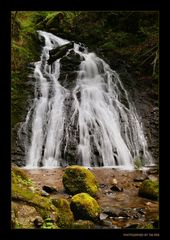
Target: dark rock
(109,193)
(134,225)
(112,212)
(17,146)
(116,188)
(152,171)
(156,224)
(107,223)
(31,65)
(38,221)
(42,40)
(132,213)
(59,52)
(141,211)
(139,178)
(49,189)
(125,213)
(102,185)
(68,69)
(81,49)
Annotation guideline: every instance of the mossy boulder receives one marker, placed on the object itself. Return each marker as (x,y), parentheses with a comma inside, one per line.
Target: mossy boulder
(149,189)
(65,216)
(77,179)
(84,207)
(27,204)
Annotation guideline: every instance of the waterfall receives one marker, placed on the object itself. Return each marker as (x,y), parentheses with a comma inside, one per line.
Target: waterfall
(109,130)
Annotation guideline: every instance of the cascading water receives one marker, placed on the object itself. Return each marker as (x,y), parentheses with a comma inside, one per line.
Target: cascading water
(108,127)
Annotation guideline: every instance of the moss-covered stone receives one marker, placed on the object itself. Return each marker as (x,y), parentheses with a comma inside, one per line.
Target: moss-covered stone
(146,226)
(149,189)
(25,202)
(65,216)
(21,192)
(49,224)
(85,207)
(77,179)
(27,199)
(18,174)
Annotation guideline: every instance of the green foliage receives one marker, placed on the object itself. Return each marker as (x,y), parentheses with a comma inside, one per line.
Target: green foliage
(49,224)
(22,192)
(85,207)
(146,226)
(24,50)
(18,173)
(137,163)
(108,46)
(78,179)
(149,189)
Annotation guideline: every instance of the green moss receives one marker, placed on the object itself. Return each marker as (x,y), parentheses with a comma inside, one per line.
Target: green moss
(146,226)
(46,207)
(65,216)
(77,179)
(84,207)
(19,172)
(137,163)
(24,49)
(21,193)
(49,224)
(149,189)
(21,190)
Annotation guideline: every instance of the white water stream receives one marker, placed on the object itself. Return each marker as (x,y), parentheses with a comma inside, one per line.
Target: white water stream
(106,117)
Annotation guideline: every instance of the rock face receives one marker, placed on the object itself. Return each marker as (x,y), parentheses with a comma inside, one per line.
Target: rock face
(58,52)
(78,179)
(143,90)
(149,189)
(85,207)
(69,65)
(68,69)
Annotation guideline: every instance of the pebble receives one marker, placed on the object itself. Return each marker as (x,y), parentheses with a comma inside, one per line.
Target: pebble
(44,193)
(103,216)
